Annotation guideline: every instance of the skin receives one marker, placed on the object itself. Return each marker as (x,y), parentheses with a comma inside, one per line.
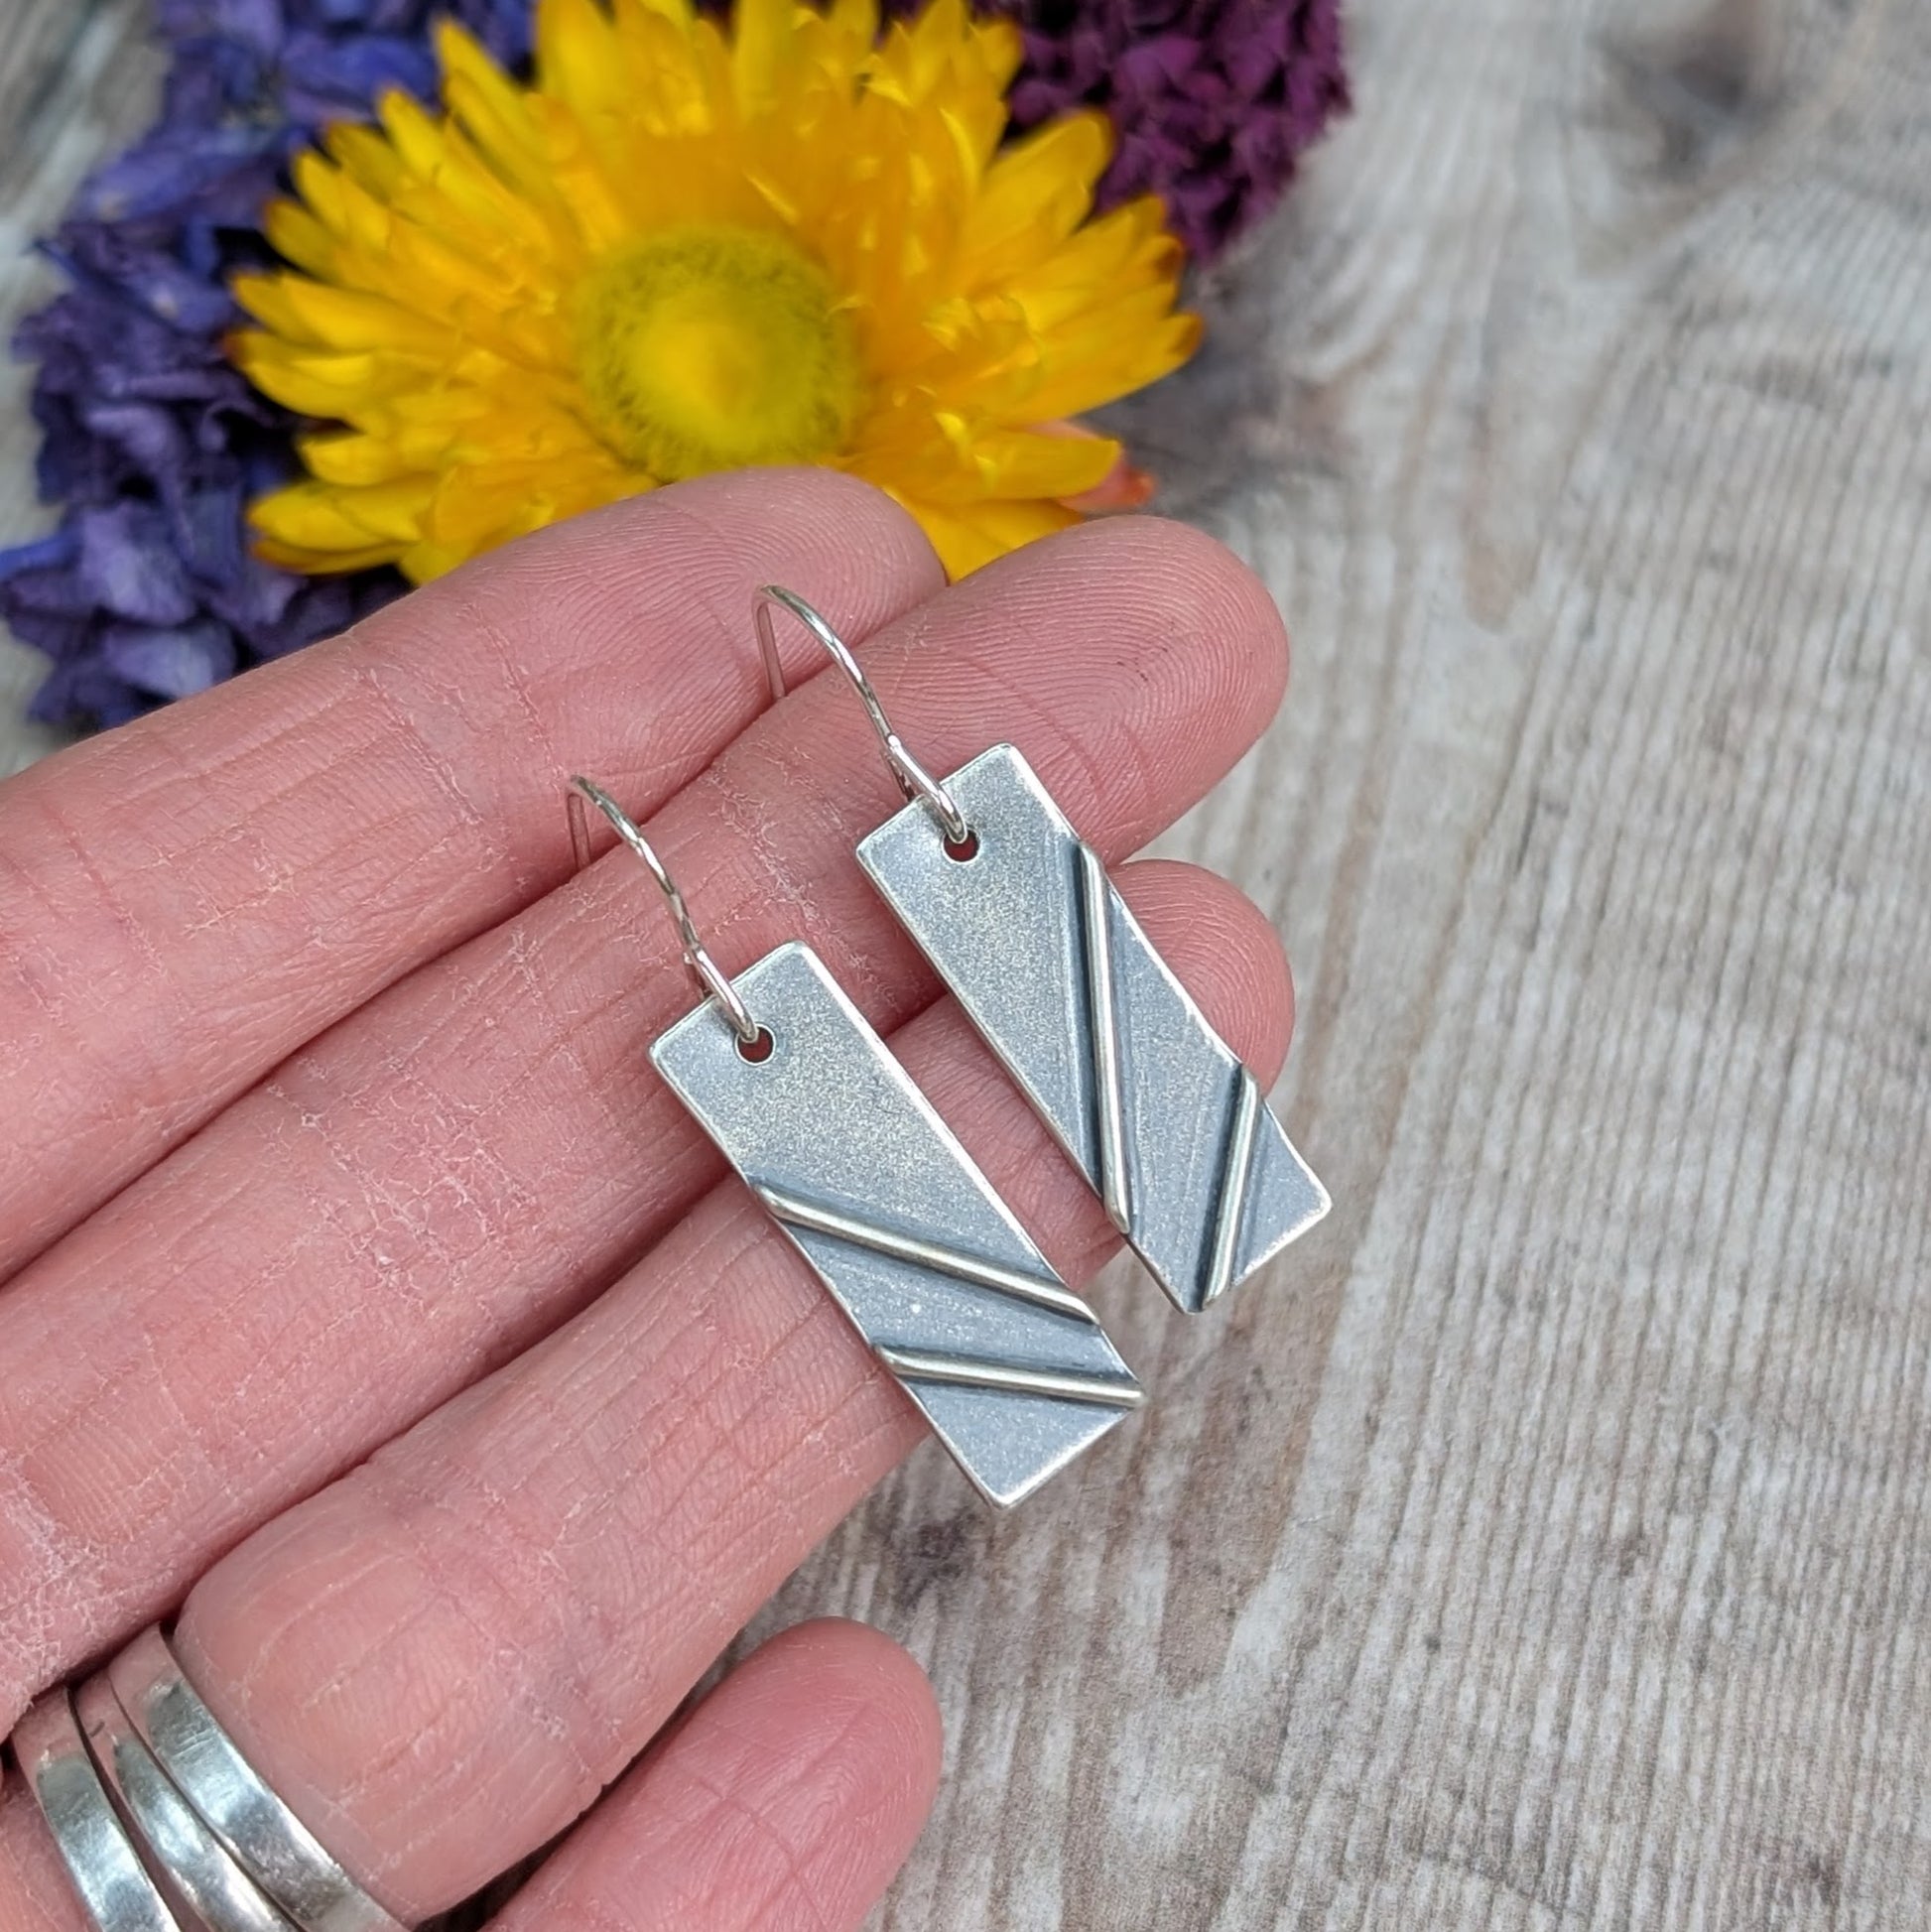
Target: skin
(367,1296)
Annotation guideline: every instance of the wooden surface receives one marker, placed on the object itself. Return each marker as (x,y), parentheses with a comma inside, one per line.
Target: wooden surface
(1547,1542)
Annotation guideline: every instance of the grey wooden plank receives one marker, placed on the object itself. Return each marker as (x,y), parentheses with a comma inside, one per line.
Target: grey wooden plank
(1547,1543)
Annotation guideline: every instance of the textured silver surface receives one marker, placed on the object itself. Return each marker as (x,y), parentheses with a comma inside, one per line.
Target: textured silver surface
(197,1863)
(273,1846)
(1007,1364)
(93,1845)
(1056,974)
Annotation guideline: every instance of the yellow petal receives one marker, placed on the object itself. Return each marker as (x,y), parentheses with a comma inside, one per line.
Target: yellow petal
(300,309)
(1111,356)
(326,520)
(1036,194)
(761,37)
(578,56)
(322,563)
(1023,462)
(968,538)
(296,234)
(354,459)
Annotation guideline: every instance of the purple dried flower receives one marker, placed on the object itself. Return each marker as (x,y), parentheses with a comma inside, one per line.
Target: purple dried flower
(151,443)
(1213,100)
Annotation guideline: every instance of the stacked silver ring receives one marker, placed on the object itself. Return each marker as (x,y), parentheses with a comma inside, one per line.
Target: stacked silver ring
(163,1824)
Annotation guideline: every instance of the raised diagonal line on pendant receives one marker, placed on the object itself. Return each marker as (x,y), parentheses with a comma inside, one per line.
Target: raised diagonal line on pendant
(796,1212)
(1231,1205)
(1103,1033)
(972,1371)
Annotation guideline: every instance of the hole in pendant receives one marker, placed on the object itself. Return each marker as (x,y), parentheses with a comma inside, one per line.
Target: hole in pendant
(756,1051)
(961,850)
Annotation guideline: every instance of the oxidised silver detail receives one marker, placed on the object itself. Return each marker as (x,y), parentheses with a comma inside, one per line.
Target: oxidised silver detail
(1102,1029)
(1231,1204)
(1211,1183)
(909,1236)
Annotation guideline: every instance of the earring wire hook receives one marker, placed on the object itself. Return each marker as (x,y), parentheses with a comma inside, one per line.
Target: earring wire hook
(704,969)
(917,784)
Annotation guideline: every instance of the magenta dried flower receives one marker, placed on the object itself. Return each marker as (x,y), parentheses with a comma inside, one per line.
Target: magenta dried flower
(1214,101)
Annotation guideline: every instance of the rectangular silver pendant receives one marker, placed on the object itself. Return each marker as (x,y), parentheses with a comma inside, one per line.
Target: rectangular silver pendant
(1055,973)
(853,1161)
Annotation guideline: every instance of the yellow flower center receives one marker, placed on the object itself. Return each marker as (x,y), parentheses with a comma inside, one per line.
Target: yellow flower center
(705,349)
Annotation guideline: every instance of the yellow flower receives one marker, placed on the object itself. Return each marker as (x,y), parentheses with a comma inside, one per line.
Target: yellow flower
(681,249)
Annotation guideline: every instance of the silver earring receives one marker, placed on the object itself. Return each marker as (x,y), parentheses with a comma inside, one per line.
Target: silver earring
(1016,914)
(852,1160)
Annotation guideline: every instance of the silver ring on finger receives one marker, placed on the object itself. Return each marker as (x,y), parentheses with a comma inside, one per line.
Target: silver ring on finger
(207,1877)
(93,1845)
(267,1840)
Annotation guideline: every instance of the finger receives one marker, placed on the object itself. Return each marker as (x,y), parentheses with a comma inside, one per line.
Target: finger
(458,1167)
(789,1799)
(192,897)
(442,1659)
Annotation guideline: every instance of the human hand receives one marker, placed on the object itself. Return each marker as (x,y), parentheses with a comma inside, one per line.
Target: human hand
(330,1127)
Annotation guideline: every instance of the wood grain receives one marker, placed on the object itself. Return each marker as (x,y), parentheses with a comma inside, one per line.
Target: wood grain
(1547,1542)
